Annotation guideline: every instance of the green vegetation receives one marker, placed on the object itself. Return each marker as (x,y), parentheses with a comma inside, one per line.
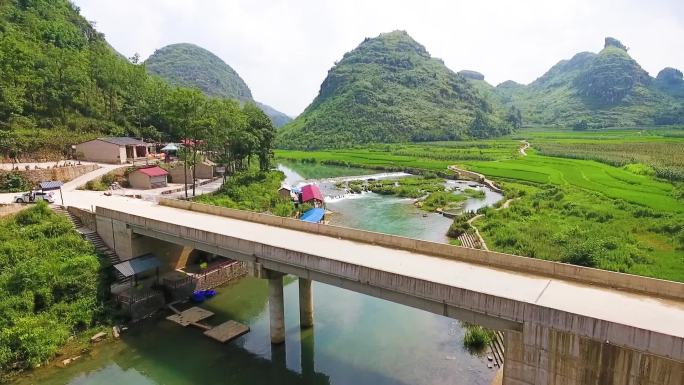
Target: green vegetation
(608,89)
(389,89)
(444,200)
(429,188)
(49,279)
(13,181)
(411,158)
(626,218)
(105,181)
(63,84)
(476,337)
(252,190)
(188,65)
(570,224)
(664,159)
(460,226)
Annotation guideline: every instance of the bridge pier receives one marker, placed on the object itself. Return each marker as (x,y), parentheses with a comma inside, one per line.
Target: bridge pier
(276,306)
(540,355)
(305,303)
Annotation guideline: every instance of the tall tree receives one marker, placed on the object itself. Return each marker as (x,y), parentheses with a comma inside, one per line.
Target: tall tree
(182,109)
(261,127)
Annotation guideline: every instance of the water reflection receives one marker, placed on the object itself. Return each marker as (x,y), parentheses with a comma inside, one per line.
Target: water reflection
(356,339)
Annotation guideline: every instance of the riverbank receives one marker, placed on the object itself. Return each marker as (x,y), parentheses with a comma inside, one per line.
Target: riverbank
(570,210)
(51,280)
(351,343)
(252,190)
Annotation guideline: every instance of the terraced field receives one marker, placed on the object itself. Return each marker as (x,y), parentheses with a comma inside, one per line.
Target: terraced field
(593,176)
(618,212)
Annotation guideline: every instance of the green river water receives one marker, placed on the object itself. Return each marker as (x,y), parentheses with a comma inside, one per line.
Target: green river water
(356,339)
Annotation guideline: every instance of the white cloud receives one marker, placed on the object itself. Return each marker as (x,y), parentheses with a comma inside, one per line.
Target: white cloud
(283,49)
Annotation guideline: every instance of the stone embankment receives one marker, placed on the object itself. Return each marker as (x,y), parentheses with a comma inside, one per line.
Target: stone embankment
(62,173)
(470,175)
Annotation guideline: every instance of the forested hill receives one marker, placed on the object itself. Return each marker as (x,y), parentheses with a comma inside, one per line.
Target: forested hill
(61,82)
(188,65)
(602,89)
(389,89)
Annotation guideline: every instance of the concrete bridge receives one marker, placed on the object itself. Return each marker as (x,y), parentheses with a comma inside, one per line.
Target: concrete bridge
(563,324)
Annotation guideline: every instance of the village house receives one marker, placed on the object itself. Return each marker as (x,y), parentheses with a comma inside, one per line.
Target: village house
(203,170)
(285,191)
(113,150)
(311,194)
(148,178)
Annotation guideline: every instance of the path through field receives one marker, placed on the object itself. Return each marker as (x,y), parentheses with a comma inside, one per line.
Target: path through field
(524,147)
(483,244)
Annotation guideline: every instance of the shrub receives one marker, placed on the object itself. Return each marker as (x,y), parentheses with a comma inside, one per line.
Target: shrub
(477,338)
(460,225)
(585,253)
(49,280)
(13,182)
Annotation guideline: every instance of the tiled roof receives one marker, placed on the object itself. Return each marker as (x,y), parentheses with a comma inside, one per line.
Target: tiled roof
(153,171)
(122,141)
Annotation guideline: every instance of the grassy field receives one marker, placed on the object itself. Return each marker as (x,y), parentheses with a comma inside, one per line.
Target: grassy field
(659,150)
(620,216)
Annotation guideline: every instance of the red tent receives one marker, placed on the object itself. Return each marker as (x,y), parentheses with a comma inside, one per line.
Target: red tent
(311,192)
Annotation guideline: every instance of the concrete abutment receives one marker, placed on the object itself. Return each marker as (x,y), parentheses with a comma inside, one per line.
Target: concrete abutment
(540,355)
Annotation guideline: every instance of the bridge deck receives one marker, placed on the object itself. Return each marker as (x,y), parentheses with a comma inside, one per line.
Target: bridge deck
(641,311)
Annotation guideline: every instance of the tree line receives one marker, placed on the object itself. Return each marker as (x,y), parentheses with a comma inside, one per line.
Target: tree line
(62,84)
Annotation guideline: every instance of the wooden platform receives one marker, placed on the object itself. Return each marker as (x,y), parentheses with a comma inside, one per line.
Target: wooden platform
(227,331)
(190,316)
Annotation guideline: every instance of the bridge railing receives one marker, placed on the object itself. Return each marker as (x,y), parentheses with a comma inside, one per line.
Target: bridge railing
(651,286)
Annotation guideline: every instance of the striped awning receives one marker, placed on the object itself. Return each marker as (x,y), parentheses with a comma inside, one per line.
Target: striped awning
(138,265)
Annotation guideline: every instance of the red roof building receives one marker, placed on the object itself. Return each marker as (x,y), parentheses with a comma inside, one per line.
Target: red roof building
(153,171)
(148,177)
(311,192)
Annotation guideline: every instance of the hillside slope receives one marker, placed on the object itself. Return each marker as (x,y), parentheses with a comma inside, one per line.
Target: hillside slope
(598,90)
(188,65)
(61,82)
(389,89)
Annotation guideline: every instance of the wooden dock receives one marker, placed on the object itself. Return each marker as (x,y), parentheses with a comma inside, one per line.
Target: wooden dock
(190,316)
(227,331)
(224,332)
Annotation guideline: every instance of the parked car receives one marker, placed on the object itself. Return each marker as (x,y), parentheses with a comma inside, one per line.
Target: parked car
(33,197)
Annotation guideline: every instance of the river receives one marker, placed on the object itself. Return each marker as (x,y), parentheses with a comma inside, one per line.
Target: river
(356,339)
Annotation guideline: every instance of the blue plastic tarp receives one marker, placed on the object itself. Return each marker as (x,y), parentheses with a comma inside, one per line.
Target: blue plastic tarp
(313,215)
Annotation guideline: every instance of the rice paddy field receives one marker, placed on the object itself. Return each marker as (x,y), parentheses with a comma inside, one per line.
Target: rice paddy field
(611,199)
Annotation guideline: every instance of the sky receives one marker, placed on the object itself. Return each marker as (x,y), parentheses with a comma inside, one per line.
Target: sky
(284,49)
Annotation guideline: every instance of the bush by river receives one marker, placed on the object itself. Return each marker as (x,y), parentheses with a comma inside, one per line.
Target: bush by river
(252,190)
(49,280)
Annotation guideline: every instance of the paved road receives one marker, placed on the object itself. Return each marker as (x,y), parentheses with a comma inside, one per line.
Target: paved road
(72,185)
(642,311)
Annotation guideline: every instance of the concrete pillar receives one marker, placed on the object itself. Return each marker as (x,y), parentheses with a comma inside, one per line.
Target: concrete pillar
(276,307)
(305,303)
(540,355)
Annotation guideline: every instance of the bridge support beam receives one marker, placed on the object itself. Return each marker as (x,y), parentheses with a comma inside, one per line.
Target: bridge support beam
(276,306)
(305,303)
(540,355)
